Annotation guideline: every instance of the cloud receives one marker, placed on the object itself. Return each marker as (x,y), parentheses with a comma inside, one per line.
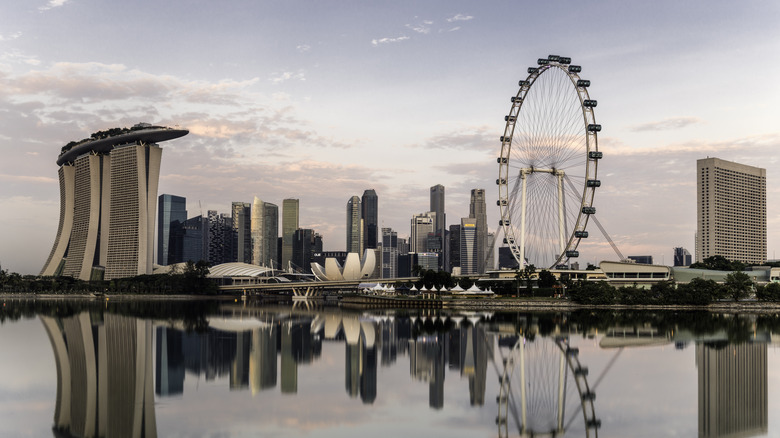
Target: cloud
(16,56)
(303,48)
(667,124)
(475,138)
(460,17)
(52,4)
(376,42)
(27,178)
(288,75)
(10,37)
(424,27)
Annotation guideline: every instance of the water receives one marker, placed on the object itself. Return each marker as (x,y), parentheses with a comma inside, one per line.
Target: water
(211,369)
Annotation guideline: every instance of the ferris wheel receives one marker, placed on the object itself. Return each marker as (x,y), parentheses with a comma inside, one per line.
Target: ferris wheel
(547,170)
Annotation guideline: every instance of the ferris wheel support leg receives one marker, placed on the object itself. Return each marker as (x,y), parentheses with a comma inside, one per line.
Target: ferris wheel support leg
(561,389)
(522,219)
(522,384)
(562,244)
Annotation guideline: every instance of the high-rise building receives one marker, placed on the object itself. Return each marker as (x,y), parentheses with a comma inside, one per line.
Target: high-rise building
(682,257)
(440,226)
(370,215)
(478,211)
(290,215)
(644,259)
(490,253)
(220,238)
(172,212)
(354,226)
(265,233)
(454,246)
(389,259)
(422,225)
(195,243)
(437,206)
(731,211)
(242,231)
(469,252)
(108,203)
(306,243)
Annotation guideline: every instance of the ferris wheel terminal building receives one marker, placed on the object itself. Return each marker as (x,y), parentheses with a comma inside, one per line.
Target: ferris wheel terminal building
(108,200)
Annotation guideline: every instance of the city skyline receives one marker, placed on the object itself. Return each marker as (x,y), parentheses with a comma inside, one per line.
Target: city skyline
(315,105)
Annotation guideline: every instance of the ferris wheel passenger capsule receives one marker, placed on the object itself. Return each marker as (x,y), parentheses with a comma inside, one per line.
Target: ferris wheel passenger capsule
(542,61)
(589,103)
(595,155)
(532,70)
(575,69)
(583,83)
(594,127)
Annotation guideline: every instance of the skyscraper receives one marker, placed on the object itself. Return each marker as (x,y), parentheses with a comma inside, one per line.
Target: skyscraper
(306,243)
(242,231)
(220,238)
(195,244)
(108,202)
(422,225)
(290,212)
(731,211)
(682,257)
(170,218)
(440,227)
(389,259)
(265,233)
(437,206)
(478,211)
(354,226)
(469,251)
(370,216)
(454,246)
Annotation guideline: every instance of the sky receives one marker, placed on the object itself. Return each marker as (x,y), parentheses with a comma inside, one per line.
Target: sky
(322,100)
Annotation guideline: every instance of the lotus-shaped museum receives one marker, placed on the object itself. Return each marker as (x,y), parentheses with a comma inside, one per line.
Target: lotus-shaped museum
(354,268)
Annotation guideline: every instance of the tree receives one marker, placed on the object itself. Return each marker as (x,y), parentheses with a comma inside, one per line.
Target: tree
(770,292)
(738,285)
(546,279)
(719,263)
(525,275)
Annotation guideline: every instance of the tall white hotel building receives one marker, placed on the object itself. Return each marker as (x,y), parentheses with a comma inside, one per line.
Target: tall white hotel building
(108,202)
(731,211)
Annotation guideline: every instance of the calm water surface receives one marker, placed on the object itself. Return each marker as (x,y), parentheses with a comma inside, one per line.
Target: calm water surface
(176,369)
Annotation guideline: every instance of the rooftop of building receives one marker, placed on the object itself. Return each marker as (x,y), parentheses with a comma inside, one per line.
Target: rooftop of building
(104,141)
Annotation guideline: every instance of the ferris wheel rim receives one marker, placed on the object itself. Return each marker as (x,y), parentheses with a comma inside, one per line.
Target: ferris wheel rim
(574,235)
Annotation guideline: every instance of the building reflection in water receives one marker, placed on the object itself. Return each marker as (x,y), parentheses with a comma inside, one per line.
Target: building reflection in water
(104,375)
(732,389)
(106,383)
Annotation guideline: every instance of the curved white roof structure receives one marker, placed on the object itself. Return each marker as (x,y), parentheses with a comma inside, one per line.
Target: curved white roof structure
(237,269)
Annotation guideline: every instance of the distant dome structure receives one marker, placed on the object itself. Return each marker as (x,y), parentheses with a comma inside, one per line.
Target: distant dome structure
(238,269)
(354,268)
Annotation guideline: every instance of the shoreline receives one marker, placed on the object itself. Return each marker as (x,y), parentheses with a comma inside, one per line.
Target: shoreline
(757,307)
